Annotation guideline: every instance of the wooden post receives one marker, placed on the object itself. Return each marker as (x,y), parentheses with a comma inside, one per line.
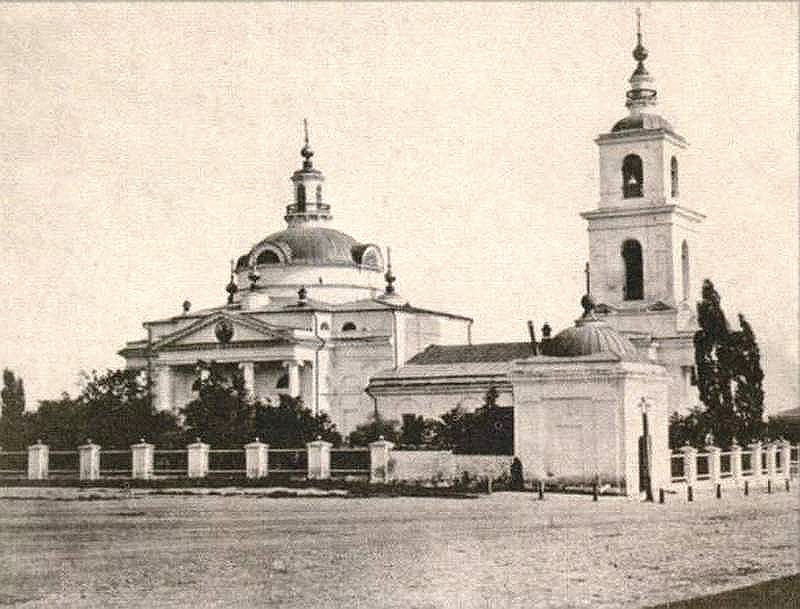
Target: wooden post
(661,495)
(689,494)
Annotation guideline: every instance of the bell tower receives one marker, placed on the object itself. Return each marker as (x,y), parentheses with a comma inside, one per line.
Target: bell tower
(640,236)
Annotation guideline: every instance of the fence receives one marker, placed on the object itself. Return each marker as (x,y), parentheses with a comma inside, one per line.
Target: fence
(713,466)
(317,460)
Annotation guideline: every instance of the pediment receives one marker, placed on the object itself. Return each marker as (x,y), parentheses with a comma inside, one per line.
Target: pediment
(225,329)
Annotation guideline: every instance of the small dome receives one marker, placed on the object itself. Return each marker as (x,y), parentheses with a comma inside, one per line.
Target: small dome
(313,245)
(590,336)
(642,121)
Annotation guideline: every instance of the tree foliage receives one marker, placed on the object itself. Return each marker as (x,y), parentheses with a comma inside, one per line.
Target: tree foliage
(12,412)
(375,428)
(225,415)
(729,379)
(113,410)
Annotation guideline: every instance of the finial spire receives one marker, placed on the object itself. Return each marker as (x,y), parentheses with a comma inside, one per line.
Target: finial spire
(640,95)
(306,151)
(588,279)
(389,277)
(232,288)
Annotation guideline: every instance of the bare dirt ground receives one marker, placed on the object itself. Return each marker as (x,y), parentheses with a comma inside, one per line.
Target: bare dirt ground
(504,550)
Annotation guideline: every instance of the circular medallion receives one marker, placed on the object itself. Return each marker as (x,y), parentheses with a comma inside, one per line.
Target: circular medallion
(224,330)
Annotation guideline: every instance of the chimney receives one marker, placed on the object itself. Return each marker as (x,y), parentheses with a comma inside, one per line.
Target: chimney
(532,332)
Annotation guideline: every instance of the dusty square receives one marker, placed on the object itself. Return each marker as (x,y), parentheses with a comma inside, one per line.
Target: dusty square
(504,550)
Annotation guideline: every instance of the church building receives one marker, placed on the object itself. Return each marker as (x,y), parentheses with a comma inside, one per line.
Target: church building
(311,312)
(314,313)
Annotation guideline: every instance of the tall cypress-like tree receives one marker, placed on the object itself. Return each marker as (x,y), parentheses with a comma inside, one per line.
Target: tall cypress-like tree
(729,375)
(12,412)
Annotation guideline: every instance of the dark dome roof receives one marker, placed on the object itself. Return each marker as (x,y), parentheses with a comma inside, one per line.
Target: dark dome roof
(642,121)
(590,336)
(311,245)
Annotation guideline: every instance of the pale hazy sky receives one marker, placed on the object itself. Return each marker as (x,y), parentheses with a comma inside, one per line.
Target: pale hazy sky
(146,145)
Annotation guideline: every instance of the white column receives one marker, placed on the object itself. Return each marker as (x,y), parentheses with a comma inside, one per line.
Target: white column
(89,456)
(736,462)
(755,458)
(319,460)
(38,461)
(249,373)
(786,459)
(164,388)
(772,466)
(380,452)
(197,459)
(256,456)
(690,464)
(293,371)
(142,460)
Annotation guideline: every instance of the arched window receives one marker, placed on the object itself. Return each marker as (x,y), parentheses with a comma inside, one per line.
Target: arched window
(283,382)
(301,197)
(324,326)
(268,257)
(685,270)
(673,174)
(348,327)
(632,176)
(634,270)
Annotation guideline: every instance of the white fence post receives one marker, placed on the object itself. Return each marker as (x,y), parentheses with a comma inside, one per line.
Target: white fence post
(736,461)
(256,457)
(786,459)
(772,464)
(714,464)
(142,460)
(319,459)
(197,459)
(89,459)
(380,453)
(755,459)
(690,464)
(38,461)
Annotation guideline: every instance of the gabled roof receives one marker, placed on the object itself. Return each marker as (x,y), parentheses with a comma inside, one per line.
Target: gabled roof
(486,352)
(268,332)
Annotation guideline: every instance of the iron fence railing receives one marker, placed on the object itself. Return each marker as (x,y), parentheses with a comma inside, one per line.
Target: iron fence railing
(226,461)
(288,460)
(350,461)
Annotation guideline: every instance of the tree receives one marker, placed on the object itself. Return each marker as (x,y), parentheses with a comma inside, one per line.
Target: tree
(374,429)
(113,409)
(13,395)
(12,412)
(291,425)
(221,414)
(225,415)
(489,430)
(729,374)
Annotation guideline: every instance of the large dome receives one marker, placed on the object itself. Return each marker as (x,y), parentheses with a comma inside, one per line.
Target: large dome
(590,336)
(309,245)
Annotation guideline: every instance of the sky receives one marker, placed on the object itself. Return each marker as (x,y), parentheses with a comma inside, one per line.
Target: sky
(145,145)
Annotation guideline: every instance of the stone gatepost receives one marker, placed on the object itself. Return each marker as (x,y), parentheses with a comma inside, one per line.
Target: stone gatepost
(197,459)
(736,461)
(89,459)
(755,458)
(319,459)
(786,458)
(380,452)
(256,457)
(714,464)
(142,460)
(690,464)
(772,463)
(38,461)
